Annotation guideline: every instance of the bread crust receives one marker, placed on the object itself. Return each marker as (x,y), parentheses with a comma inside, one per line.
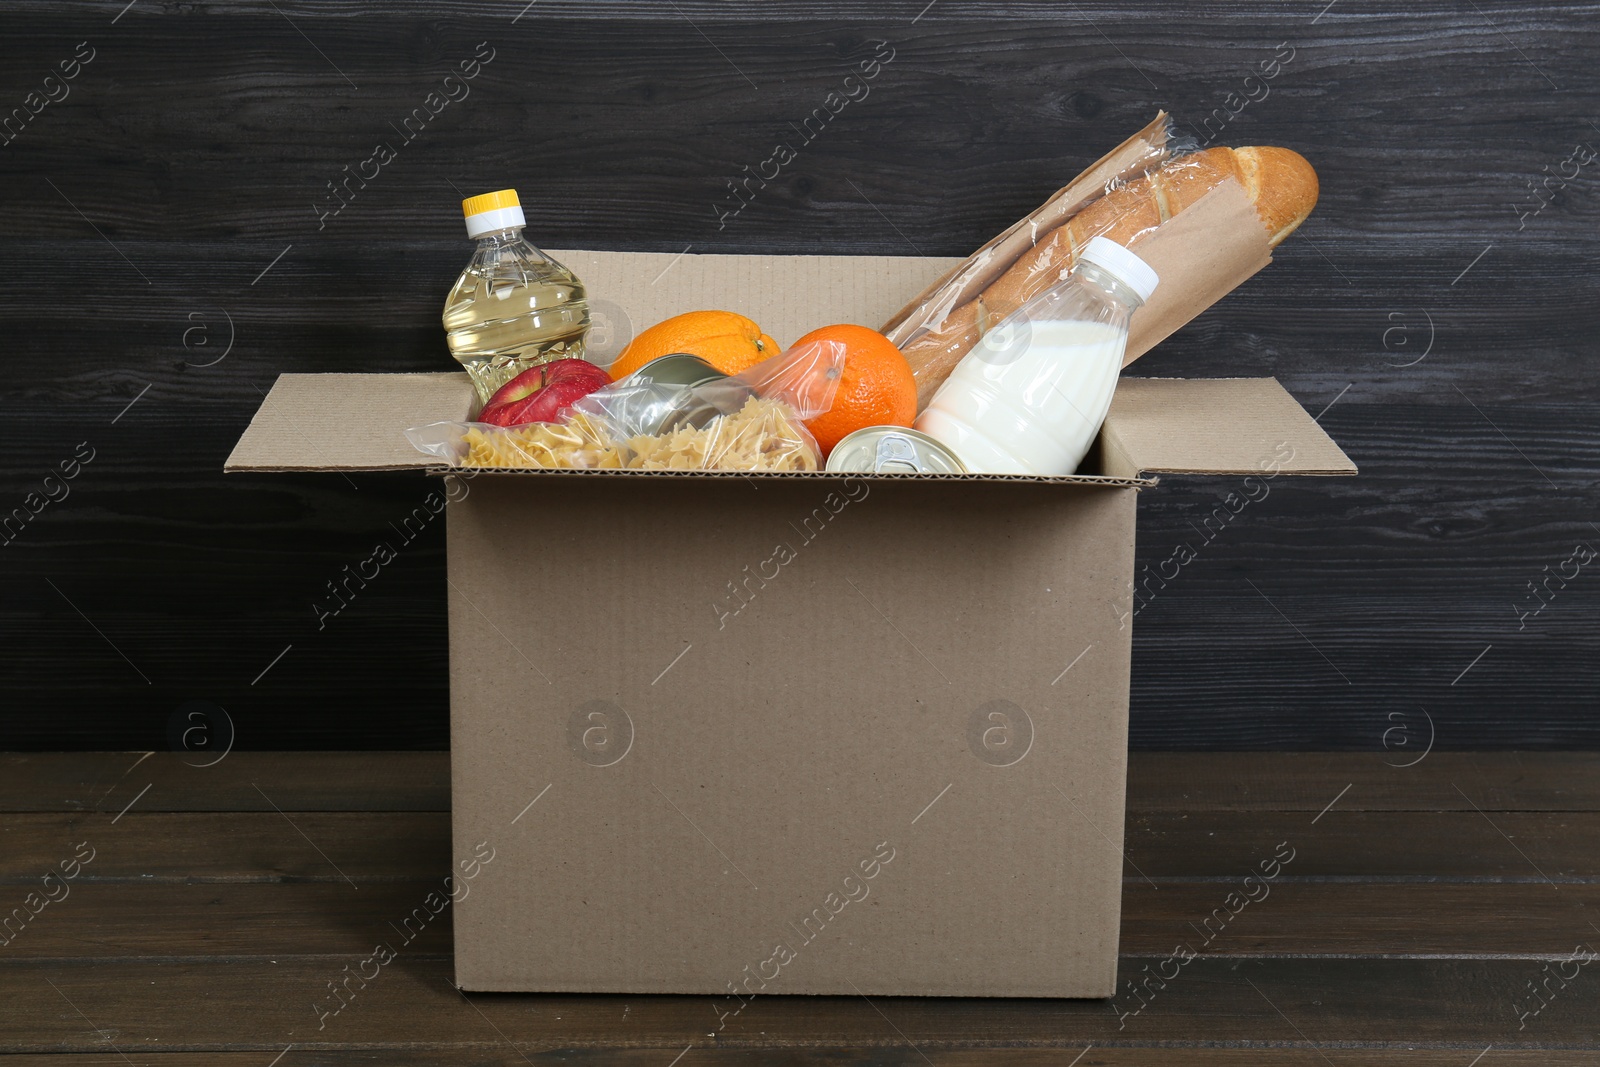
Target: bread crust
(1183,181)
(1283,185)
(1124,215)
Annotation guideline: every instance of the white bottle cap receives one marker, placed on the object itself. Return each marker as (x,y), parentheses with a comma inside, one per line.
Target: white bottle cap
(1106,253)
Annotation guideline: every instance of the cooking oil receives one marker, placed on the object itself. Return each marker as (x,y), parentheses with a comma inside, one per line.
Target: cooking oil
(513,307)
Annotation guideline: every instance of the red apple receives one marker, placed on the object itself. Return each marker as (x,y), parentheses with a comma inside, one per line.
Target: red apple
(543,393)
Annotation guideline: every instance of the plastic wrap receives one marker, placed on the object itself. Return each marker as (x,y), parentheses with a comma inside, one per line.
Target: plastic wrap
(754,421)
(938,328)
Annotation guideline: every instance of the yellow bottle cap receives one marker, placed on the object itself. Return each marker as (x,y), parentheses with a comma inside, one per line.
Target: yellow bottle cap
(492,212)
(477,205)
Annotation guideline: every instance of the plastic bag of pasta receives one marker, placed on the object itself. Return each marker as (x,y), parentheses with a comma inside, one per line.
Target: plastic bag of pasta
(669,415)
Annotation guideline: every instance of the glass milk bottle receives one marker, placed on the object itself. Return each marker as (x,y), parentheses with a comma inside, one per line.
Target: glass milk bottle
(1030,397)
(513,307)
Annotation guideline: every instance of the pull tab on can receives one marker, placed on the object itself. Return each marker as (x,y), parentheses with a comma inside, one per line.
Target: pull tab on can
(897,453)
(892,450)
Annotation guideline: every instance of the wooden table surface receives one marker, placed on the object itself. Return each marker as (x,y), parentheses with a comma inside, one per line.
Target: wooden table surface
(1422,908)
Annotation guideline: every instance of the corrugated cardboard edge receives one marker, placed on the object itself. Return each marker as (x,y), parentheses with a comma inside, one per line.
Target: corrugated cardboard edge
(1215,426)
(1089,481)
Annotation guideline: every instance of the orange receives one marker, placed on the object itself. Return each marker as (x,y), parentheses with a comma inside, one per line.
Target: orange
(729,342)
(876,386)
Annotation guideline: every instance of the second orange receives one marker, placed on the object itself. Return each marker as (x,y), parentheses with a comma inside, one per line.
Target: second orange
(729,342)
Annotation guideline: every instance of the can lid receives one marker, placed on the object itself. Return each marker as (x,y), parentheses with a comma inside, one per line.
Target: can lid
(678,368)
(892,450)
(489,212)
(895,452)
(1106,253)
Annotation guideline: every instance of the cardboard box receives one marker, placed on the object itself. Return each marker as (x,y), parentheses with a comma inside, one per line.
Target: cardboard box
(789,733)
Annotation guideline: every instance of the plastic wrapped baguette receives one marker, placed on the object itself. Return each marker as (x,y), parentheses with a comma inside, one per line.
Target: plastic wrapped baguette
(1134,158)
(1279,183)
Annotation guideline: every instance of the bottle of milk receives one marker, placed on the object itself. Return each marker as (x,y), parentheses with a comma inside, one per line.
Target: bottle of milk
(1030,397)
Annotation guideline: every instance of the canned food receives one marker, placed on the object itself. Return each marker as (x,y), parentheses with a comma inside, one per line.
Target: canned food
(680,368)
(893,450)
(684,390)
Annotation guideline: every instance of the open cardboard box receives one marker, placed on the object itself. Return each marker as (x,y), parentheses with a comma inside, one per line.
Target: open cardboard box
(788,733)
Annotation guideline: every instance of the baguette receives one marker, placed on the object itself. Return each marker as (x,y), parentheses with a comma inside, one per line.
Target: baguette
(1279,182)
(1133,158)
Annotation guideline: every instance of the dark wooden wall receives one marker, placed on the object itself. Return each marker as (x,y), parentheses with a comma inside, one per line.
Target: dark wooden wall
(141,211)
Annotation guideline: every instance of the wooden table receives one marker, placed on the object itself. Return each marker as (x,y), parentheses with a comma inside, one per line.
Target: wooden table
(1421,906)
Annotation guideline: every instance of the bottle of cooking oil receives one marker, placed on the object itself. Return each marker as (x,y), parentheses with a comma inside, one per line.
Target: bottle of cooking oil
(513,307)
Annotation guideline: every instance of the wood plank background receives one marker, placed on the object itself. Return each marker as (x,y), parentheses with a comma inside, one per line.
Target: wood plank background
(163,214)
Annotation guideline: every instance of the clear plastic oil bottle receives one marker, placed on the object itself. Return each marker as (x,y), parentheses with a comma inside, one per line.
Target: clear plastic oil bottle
(513,307)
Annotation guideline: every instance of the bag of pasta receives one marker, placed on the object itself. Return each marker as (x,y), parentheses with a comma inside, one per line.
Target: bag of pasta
(754,421)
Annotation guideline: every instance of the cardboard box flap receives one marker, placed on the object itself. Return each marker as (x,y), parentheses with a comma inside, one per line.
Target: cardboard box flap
(1214,426)
(348,422)
(788,295)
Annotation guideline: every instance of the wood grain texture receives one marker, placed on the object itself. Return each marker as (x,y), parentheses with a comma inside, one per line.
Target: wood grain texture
(1164,782)
(263,1006)
(1405,777)
(231,847)
(1517,846)
(144,207)
(196,848)
(205,923)
(198,780)
(1098,1056)
(1392,936)
(202,923)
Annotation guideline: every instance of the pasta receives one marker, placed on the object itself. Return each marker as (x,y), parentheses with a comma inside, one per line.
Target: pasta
(580,442)
(763,435)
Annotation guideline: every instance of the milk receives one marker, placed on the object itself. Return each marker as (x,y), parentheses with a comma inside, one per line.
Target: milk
(1031,402)
(1030,397)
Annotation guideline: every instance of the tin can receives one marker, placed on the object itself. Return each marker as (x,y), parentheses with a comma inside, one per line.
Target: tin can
(685,391)
(893,450)
(679,368)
